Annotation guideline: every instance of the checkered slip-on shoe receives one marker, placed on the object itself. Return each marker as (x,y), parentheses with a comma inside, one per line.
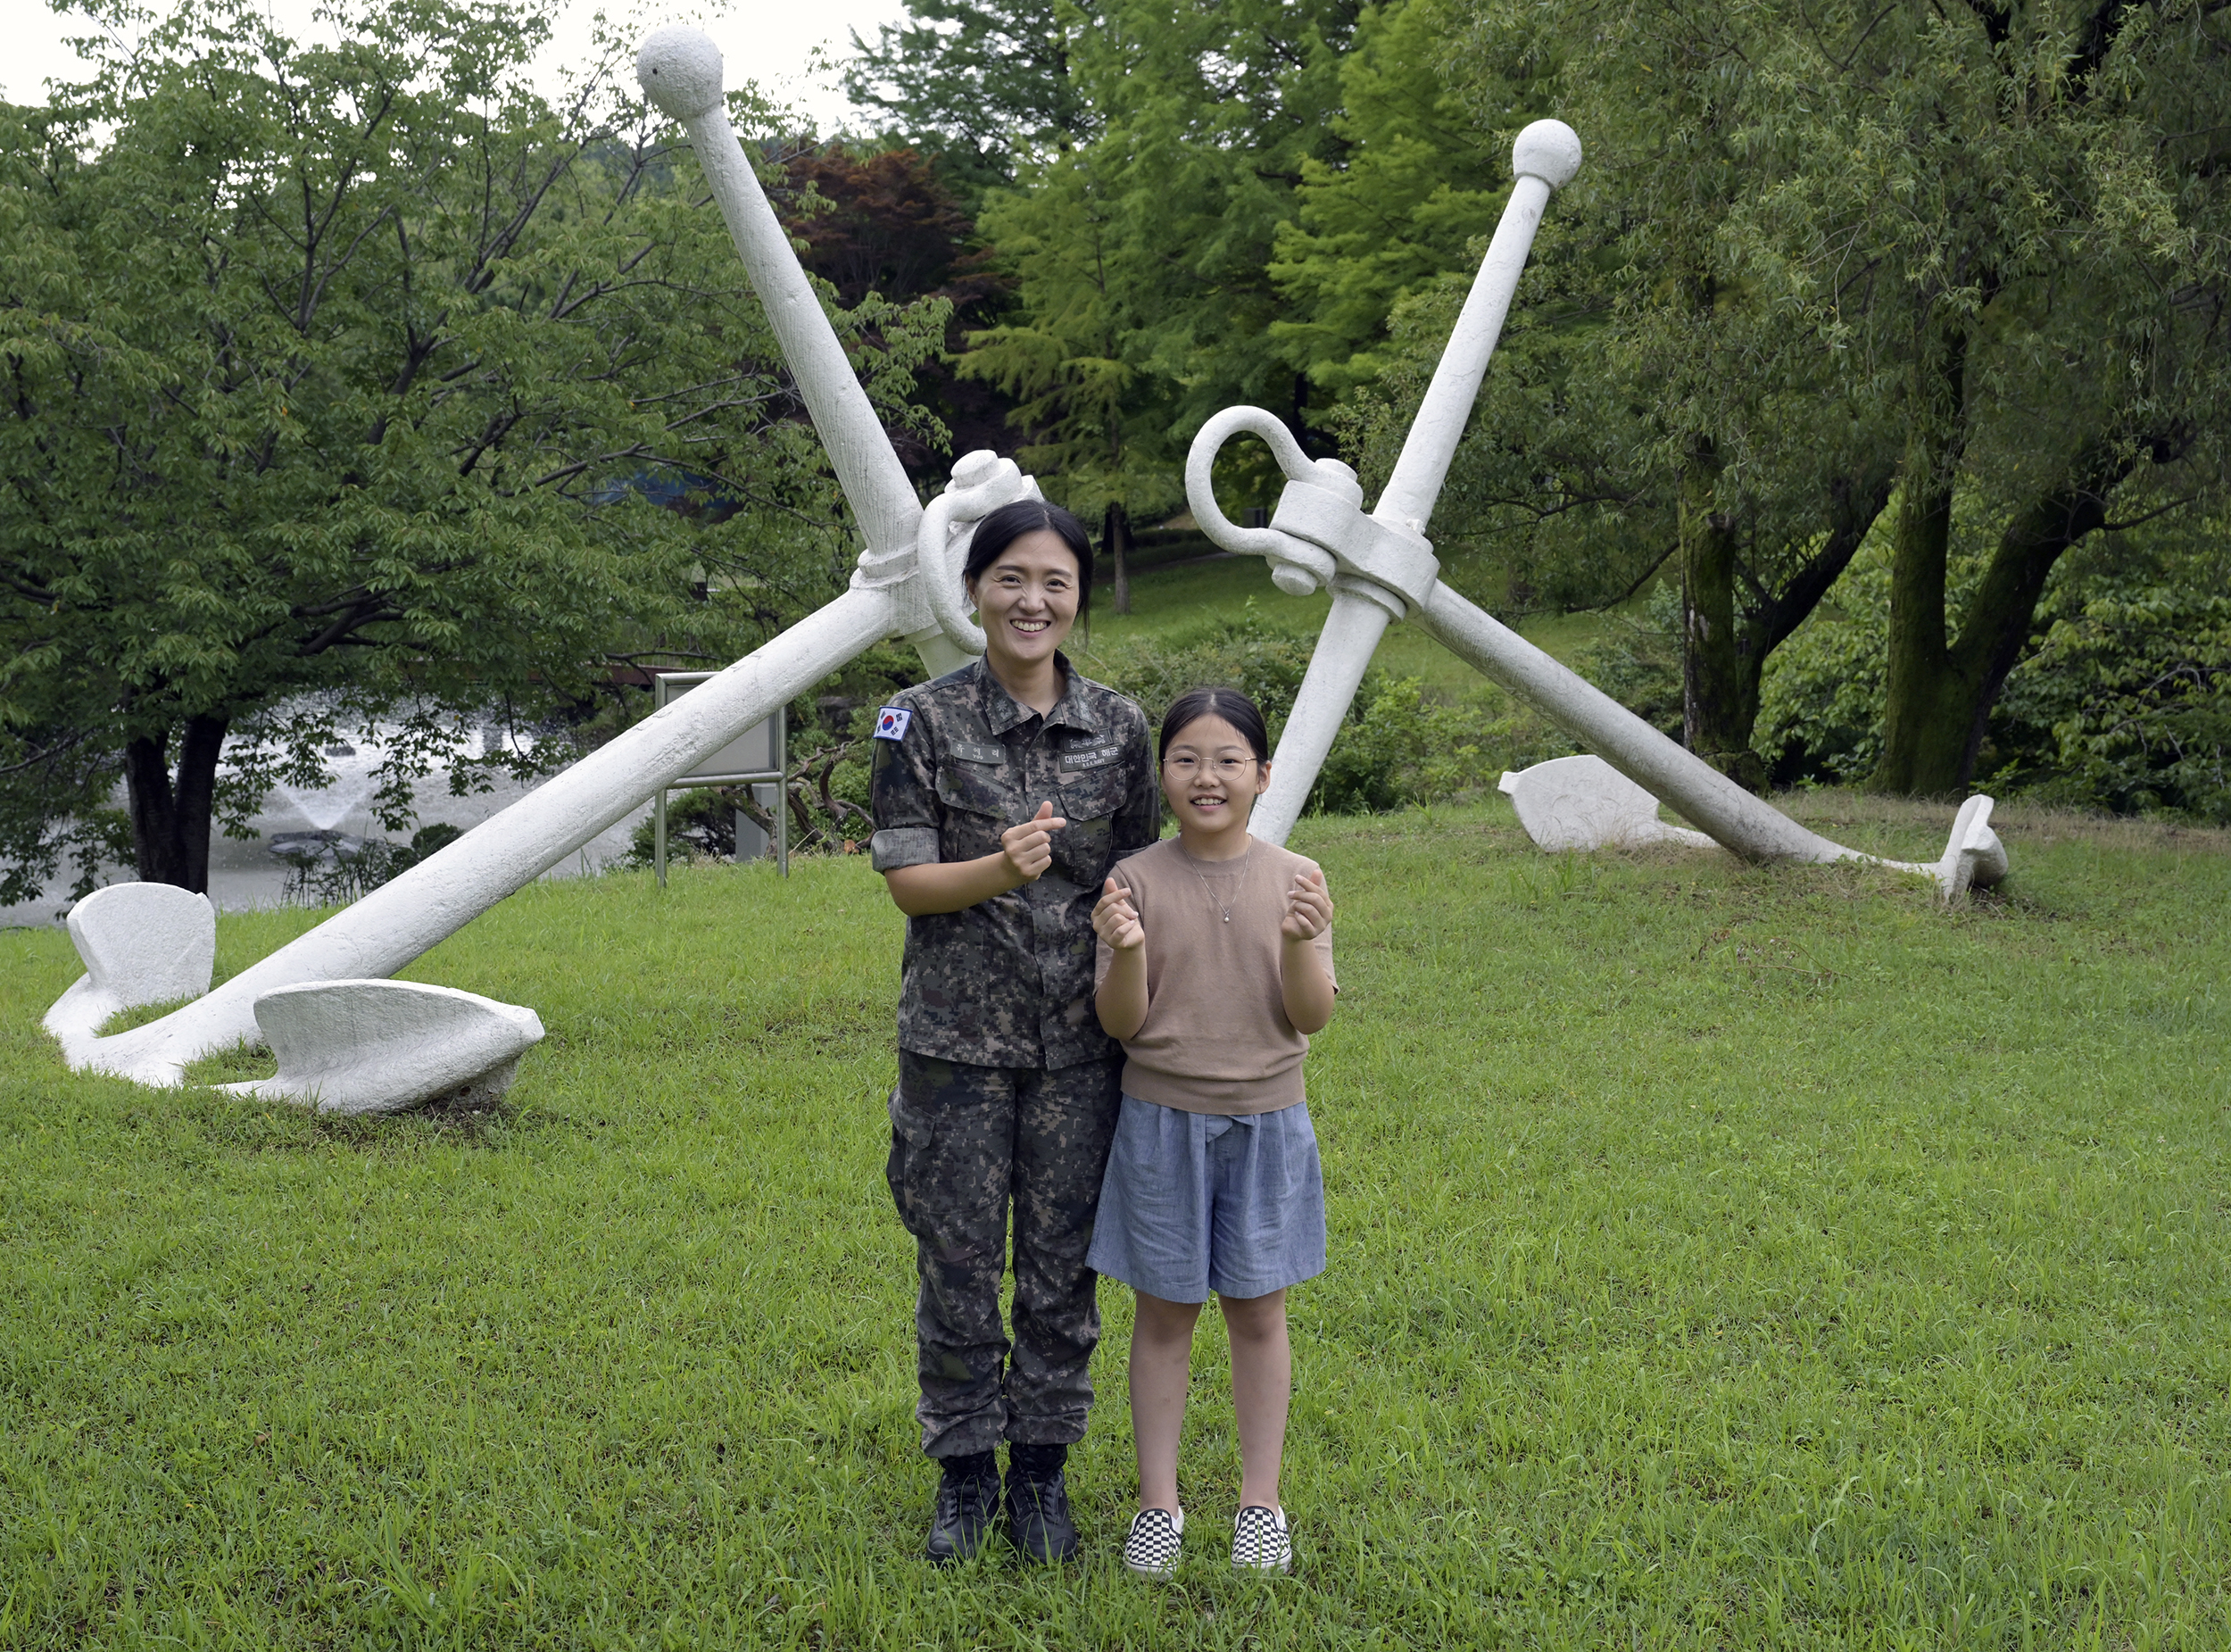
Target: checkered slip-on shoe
(1156,1537)
(1260,1542)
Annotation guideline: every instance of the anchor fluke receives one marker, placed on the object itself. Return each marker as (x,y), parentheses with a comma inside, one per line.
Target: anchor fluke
(382,1046)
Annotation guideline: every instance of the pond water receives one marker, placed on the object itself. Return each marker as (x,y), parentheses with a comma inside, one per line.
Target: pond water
(247,873)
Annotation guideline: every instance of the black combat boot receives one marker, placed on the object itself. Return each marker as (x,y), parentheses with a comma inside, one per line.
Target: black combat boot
(1037,1503)
(967,1504)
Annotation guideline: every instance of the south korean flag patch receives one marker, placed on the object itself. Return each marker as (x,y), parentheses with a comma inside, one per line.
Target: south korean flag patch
(891,722)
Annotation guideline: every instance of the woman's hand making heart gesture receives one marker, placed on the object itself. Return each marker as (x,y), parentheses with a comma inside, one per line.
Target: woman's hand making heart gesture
(1029,848)
(1116,920)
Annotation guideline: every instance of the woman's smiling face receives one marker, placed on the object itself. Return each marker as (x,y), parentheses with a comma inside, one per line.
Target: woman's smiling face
(1212,777)
(1027,599)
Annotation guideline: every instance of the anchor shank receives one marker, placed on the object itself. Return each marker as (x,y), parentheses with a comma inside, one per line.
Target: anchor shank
(400,920)
(1749,825)
(1423,465)
(1351,632)
(860,452)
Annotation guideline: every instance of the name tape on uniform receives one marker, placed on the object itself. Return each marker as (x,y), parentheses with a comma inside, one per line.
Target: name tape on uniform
(891,722)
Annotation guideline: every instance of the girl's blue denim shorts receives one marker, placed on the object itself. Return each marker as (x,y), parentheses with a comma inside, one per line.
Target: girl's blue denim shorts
(1195,1202)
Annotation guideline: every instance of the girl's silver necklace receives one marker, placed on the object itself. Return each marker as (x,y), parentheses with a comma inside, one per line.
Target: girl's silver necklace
(1224,907)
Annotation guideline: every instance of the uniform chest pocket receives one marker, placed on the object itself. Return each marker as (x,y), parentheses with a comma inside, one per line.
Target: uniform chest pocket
(979,804)
(1094,793)
(1091,797)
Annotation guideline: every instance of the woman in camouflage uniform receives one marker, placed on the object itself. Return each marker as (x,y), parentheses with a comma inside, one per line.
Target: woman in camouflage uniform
(1003,793)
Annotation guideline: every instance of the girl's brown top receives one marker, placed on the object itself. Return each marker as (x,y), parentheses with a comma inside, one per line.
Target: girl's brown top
(1215,1039)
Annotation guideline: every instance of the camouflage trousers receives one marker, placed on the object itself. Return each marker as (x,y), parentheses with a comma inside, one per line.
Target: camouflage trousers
(966,1143)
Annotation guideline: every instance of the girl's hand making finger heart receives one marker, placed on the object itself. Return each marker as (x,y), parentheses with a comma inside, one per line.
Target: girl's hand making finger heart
(1308,908)
(1116,920)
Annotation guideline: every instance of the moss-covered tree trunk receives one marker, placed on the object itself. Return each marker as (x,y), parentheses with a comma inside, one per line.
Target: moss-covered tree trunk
(1941,685)
(1925,702)
(2003,613)
(1115,546)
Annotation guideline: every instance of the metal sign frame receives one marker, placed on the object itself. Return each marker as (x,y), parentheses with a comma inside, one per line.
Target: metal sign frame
(664,687)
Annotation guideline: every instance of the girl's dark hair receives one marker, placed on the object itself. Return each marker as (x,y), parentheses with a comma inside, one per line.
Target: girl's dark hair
(1228,703)
(1002,528)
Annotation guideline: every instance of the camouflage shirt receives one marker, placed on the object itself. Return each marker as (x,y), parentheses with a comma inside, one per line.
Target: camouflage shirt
(1008,982)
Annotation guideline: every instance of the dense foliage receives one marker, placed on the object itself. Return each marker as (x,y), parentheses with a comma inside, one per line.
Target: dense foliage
(2124,701)
(341,384)
(1947,280)
(1868,374)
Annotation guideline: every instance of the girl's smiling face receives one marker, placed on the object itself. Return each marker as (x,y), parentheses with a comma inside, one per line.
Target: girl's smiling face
(1212,777)
(1027,599)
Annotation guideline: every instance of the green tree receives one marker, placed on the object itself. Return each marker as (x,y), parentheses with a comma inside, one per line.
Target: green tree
(2012,213)
(2125,703)
(1096,429)
(337,378)
(1395,207)
(1140,254)
(1818,261)
(1646,409)
(1212,114)
(985,85)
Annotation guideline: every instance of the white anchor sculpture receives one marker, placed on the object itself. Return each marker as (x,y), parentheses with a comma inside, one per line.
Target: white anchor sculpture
(1380,568)
(351,1040)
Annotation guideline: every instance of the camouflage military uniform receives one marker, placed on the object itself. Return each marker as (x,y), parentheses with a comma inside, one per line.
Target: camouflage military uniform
(1008,1088)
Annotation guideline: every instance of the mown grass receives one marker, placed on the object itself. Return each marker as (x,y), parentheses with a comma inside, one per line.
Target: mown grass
(1720,1257)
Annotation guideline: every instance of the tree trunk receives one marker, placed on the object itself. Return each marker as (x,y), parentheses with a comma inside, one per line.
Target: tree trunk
(1115,545)
(2003,609)
(171,820)
(1940,693)
(1854,505)
(1718,679)
(1926,702)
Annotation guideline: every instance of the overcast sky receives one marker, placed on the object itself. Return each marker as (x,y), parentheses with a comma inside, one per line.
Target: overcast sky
(770,41)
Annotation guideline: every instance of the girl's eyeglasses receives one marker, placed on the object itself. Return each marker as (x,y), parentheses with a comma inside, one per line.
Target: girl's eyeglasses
(1224,767)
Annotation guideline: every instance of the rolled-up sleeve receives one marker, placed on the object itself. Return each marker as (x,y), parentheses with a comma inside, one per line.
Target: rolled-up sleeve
(902,787)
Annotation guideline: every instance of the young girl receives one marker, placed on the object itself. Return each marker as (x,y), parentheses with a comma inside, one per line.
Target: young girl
(1214,965)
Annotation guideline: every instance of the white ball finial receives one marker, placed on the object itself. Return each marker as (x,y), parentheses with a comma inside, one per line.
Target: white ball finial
(1549,150)
(679,69)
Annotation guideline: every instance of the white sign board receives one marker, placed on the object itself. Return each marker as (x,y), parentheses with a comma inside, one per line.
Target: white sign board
(760,753)
(755,754)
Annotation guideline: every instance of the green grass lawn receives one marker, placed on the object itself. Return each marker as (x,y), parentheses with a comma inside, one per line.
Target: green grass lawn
(1720,1257)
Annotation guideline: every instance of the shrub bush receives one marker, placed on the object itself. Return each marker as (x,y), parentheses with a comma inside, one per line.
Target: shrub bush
(333,878)
(1401,745)
(2126,704)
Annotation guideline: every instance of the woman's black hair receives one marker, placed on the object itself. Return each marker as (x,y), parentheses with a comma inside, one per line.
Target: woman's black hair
(1228,703)
(1002,528)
